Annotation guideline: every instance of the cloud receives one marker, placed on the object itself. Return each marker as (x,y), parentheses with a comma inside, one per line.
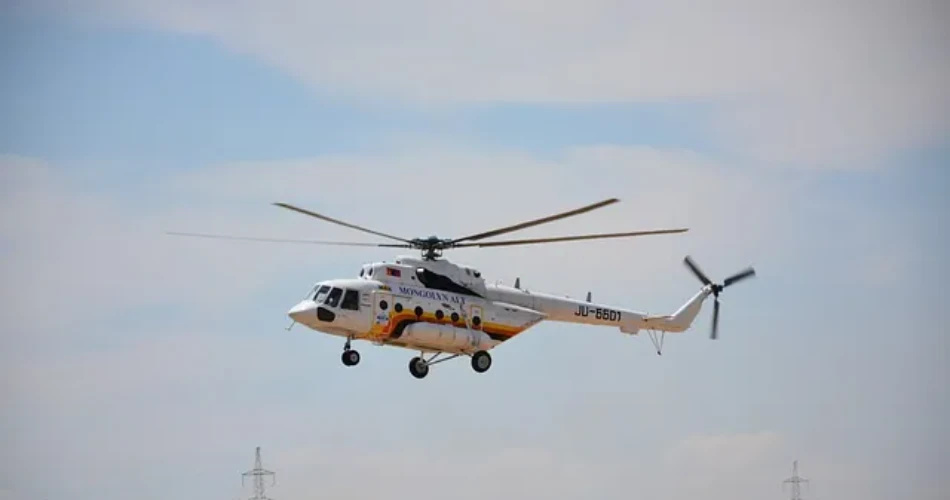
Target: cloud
(75,252)
(78,251)
(812,83)
(160,347)
(421,188)
(58,234)
(142,339)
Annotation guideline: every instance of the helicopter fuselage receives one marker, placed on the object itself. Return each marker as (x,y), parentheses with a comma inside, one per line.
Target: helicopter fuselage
(412,316)
(437,306)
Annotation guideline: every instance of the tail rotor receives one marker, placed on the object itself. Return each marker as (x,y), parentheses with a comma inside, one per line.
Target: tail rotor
(717,288)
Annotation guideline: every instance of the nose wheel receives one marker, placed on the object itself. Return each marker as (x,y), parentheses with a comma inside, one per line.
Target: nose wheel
(350,357)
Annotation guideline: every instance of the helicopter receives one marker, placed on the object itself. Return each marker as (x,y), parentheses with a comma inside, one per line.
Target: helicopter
(445,310)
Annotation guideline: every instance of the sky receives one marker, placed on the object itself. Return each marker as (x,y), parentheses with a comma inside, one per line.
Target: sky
(807,139)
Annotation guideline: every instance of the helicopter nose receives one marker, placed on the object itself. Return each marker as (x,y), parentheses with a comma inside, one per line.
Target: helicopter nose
(303,311)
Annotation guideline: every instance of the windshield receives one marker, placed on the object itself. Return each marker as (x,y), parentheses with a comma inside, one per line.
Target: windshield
(321,293)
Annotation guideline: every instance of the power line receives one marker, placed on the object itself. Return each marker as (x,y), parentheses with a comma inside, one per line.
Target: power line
(258,473)
(795,481)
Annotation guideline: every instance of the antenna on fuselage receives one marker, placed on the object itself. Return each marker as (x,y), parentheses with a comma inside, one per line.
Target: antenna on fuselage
(588,296)
(518,283)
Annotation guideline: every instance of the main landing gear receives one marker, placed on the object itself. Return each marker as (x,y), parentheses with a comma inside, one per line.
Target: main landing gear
(481,361)
(419,366)
(350,357)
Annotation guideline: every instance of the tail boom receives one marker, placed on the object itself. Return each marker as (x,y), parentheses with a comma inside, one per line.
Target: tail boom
(567,310)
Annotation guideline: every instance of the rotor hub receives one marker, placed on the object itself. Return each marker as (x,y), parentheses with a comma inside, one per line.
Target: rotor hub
(431,246)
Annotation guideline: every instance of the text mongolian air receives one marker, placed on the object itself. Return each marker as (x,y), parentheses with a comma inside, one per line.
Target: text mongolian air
(431,295)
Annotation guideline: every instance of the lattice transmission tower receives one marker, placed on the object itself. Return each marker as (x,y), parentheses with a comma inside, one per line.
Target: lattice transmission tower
(795,481)
(258,473)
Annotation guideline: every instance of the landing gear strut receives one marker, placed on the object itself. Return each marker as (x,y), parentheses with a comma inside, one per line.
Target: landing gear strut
(350,357)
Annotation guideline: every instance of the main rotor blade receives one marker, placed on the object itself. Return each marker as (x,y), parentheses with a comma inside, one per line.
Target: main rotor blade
(715,321)
(569,238)
(280,240)
(535,222)
(699,274)
(747,273)
(335,221)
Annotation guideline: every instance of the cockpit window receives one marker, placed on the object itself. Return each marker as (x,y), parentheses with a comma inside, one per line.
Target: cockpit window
(351,300)
(321,294)
(334,297)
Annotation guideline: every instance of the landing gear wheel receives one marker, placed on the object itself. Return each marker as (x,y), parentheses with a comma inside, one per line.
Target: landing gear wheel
(350,357)
(481,361)
(418,367)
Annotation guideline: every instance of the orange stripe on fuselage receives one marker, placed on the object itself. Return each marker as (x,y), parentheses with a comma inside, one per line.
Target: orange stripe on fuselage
(487,327)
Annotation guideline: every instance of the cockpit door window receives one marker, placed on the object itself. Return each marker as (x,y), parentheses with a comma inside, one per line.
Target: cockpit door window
(351,300)
(334,297)
(321,294)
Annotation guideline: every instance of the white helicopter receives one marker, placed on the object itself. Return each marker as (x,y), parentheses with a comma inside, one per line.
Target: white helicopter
(446,310)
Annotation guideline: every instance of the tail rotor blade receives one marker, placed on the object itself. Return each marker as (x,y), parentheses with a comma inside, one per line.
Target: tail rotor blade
(693,267)
(715,289)
(715,321)
(747,273)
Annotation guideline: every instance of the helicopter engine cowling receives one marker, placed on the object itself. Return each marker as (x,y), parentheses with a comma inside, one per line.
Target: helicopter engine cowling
(446,338)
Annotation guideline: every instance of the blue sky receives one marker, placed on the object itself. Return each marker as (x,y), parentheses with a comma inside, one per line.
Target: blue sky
(136,364)
(207,105)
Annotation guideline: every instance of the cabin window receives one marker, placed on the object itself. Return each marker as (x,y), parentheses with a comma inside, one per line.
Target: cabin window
(333,298)
(351,300)
(321,293)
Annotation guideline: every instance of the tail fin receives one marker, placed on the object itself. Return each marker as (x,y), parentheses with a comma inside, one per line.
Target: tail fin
(683,318)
